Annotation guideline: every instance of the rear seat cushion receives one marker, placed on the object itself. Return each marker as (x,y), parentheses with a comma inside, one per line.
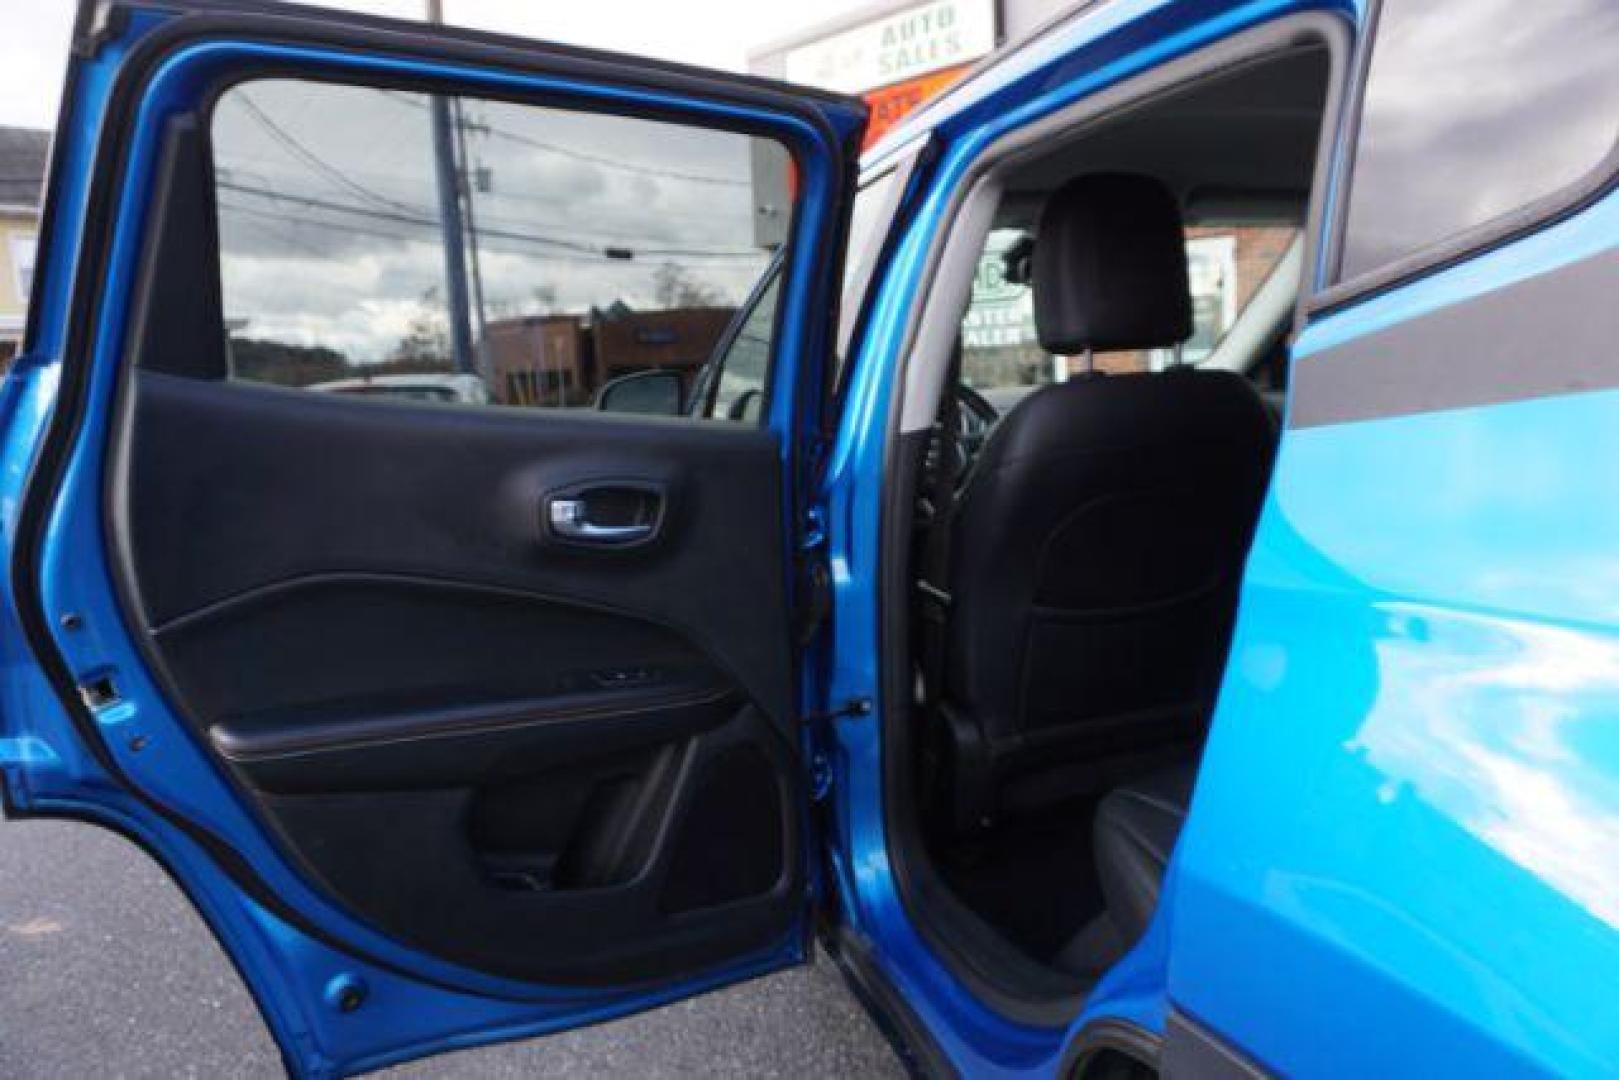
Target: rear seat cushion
(1136,828)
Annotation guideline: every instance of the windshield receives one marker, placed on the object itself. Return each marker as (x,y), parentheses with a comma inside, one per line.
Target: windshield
(732,387)
(1002,357)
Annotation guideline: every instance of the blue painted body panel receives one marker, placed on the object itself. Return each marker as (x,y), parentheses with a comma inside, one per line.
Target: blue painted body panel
(415,1004)
(1403,849)
(1092,53)
(1409,806)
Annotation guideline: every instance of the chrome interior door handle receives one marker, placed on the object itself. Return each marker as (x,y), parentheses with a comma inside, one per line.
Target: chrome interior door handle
(570,520)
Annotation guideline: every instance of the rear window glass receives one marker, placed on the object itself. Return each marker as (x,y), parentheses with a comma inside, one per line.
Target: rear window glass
(1474,110)
(388,245)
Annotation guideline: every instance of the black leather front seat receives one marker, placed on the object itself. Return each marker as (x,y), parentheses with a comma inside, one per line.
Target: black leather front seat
(1098,542)
(1135,830)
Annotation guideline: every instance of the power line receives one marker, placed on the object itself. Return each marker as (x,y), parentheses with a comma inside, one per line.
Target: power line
(550,202)
(419,219)
(580,155)
(607,239)
(288,236)
(296,221)
(379,232)
(610,163)
(316,162)
(338,176)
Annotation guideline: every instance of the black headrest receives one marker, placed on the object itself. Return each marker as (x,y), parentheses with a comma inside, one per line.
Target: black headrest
(1110,267)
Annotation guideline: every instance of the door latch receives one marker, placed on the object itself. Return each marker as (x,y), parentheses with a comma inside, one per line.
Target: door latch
(813,534)
(857,707)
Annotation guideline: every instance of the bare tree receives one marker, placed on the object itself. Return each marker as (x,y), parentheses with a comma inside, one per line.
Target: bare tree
(674,287)
(545,298)
(427,336)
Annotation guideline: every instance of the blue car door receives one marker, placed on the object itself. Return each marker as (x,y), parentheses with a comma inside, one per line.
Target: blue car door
(1402,852)
(461,708)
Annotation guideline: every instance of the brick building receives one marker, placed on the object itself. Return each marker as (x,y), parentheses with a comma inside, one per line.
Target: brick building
(541,360)
(683,339)
(565,359)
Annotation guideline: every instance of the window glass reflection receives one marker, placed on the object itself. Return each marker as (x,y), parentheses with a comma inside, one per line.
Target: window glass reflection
(1473,109)
(389,245)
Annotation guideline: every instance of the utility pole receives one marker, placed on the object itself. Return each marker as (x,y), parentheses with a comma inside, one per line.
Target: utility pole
(449,204)
(486,366)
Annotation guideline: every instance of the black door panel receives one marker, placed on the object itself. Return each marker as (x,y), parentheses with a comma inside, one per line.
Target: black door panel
(593,871)
(326,299)
(340,662)
(244,488)
(540,756)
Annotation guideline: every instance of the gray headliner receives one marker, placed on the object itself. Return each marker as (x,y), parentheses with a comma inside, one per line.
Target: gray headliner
(1245,137)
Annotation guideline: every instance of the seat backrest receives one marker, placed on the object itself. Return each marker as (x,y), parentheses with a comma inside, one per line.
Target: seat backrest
(1099,540)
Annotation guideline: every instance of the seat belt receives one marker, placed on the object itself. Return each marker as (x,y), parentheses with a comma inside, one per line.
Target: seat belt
(963,784)
(933,582)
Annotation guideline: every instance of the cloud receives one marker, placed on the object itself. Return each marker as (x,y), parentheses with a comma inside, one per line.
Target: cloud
(330,222)
(1490,721)
(1451,85)
(712,33)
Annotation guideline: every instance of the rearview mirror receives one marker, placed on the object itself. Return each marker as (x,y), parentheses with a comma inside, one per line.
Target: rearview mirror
(651,393)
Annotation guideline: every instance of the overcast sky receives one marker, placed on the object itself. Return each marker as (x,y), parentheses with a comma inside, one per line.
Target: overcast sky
(714,33)
(329,222)
(328,211)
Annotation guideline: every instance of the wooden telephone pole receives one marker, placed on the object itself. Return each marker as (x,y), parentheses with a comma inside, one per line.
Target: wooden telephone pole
(449,205)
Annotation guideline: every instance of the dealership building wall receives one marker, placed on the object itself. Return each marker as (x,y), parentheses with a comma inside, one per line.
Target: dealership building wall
(1014,19)
(896,54)
(22,175)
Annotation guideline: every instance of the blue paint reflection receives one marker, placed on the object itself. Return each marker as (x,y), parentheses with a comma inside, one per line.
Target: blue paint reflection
(1511,729)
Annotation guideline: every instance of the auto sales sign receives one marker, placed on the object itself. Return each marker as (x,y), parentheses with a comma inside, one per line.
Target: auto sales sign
(897,47)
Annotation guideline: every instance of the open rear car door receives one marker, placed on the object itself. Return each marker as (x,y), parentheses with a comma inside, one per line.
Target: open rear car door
(456,721)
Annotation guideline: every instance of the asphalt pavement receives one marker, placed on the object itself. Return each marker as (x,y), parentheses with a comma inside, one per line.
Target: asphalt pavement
(106,971)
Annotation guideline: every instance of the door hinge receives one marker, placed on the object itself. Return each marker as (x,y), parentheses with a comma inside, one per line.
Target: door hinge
(820,777)
(814,578)
(815,598)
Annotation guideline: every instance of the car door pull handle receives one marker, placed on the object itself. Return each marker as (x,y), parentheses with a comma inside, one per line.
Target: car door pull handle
(570,518)
(570,521)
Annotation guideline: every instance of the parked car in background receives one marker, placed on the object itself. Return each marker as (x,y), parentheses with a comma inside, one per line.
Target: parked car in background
(459,389)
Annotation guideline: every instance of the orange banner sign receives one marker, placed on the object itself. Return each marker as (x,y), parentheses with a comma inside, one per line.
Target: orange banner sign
(890,104)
